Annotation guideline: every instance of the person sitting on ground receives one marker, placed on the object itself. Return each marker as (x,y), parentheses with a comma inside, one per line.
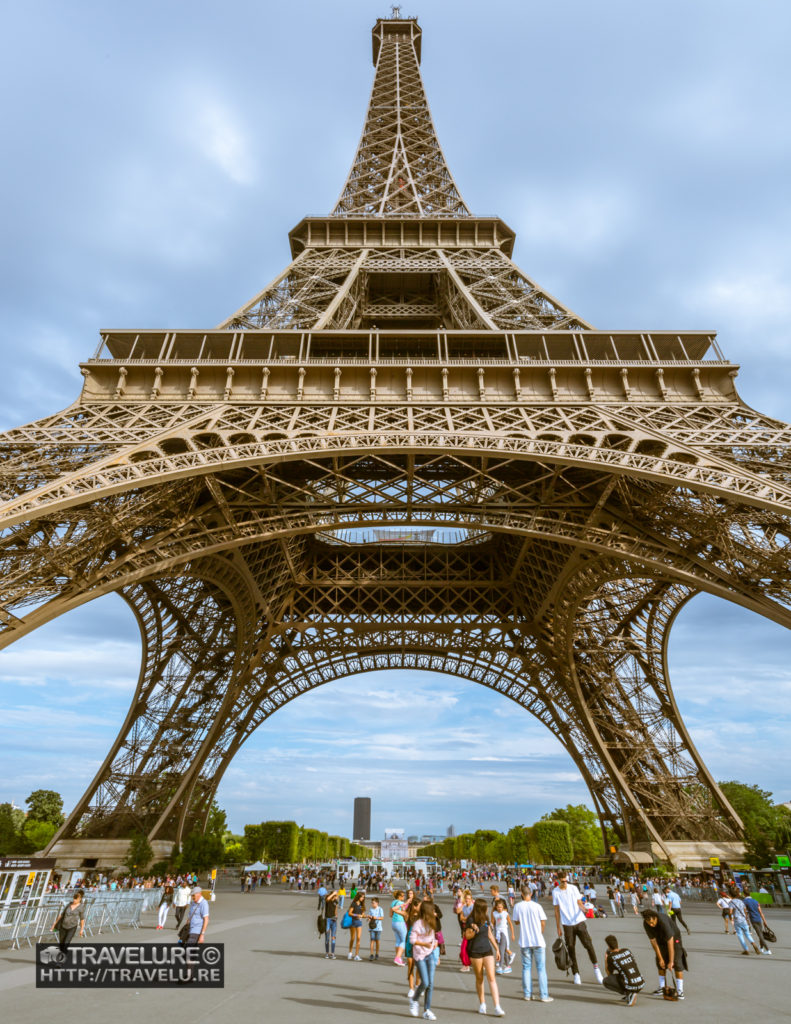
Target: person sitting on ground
(623,974)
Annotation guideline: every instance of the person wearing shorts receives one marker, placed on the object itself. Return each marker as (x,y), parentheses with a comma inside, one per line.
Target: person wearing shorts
(482,950)
(375,915)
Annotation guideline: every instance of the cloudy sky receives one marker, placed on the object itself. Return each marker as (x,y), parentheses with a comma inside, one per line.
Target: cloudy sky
(156,155)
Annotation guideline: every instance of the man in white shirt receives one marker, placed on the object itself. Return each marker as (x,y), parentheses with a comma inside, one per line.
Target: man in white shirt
(659,902)
(570,919)
(532,920)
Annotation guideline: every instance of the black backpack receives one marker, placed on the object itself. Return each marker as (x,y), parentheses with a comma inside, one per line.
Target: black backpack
(561,954)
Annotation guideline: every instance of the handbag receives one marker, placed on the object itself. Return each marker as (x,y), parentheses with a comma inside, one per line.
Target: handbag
(347,920)
(769,935)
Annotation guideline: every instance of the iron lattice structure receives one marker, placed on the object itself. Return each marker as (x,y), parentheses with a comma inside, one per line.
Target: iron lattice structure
(401,453)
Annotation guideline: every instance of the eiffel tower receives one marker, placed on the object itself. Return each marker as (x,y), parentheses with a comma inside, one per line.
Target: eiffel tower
(402,453)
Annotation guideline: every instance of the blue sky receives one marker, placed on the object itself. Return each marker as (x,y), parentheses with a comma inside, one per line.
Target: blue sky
(157,155)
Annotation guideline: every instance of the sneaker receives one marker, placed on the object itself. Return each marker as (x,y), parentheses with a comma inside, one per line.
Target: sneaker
(428,1015)
(767,952)
(511,958)
(680,995)
(527,998)
(333,957)
(464,970)
(658,991)
(507,970)
(577,979)
(482,1008)
(414,1009)
(547,999)
(350,956)
(499,1011)
(399,961)
(376,956)
(498,970)
(745,952)
(598,975)
(326,956)
(410,994)
(356,958)
(631,999)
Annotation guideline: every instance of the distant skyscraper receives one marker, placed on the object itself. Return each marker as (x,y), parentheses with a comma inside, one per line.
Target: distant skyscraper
(451,831)
(362,818)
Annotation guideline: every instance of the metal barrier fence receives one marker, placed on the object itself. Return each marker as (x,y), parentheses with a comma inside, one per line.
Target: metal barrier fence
(104,912)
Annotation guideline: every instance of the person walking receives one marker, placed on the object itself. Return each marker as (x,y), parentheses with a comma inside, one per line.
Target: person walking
(570,921)
(398,908)
(464,907)
(181,898)
(501,922)
(532,920)
(724,904)
(756,918)
(330,924)
(71,915)
(623,975)
(198,919)
(741,926)
(482,950)
(673,901)
(165,903)
(424,941)
(665,938)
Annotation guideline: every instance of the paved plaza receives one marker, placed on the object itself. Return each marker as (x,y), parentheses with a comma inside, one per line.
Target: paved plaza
(276,971)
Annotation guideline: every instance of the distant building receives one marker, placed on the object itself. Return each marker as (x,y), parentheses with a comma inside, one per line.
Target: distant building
(362,818)
(395,845)
(451,831)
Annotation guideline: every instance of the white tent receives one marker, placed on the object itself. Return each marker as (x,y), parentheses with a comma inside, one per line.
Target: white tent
(258,866)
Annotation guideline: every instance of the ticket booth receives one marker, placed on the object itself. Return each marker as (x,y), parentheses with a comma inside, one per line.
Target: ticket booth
(23,881)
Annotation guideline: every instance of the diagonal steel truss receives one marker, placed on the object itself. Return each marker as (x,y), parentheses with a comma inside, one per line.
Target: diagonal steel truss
(401,453)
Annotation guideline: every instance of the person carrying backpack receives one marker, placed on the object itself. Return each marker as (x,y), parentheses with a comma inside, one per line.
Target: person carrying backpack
(623,975)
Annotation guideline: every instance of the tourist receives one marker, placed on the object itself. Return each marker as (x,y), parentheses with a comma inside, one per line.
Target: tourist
(165,903)
(623,974)
(724,904)
(741,926)
(424,941)
(181,898)
(673,902)
(756,917)
(398,908)
(71,915)
(464,908)
(412,915)
(501,922)
(356,913)
(375,916)
(570,921)
(665,938)
(198,917)
(330,924)
(530,916)
(482,950)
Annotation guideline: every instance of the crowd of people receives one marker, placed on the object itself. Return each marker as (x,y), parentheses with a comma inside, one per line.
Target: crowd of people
(511,919)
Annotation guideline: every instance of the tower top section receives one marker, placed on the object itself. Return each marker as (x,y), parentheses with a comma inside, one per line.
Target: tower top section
(405,29)
(399,169)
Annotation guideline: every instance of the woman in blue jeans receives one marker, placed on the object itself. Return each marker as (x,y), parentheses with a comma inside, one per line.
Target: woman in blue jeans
(424,942)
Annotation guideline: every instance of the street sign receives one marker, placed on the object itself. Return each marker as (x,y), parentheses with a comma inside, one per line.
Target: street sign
(213,873)
(714,861)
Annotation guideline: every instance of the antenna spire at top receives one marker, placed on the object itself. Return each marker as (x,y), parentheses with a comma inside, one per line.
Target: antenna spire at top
(395,12)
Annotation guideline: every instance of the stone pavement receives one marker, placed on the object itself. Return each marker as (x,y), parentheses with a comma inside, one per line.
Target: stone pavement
(276,972)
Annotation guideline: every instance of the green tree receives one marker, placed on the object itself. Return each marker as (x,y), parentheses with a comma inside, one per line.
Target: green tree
(45,805)
(281,841)
(201,851)
(764,826)
(216,824)
(554,841)
(253,843)
(9,830)
(586,835)
(35,835)
(140,854)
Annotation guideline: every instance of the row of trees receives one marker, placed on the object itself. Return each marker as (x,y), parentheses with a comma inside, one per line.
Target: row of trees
(23,833)
(288,843)
(567,835)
